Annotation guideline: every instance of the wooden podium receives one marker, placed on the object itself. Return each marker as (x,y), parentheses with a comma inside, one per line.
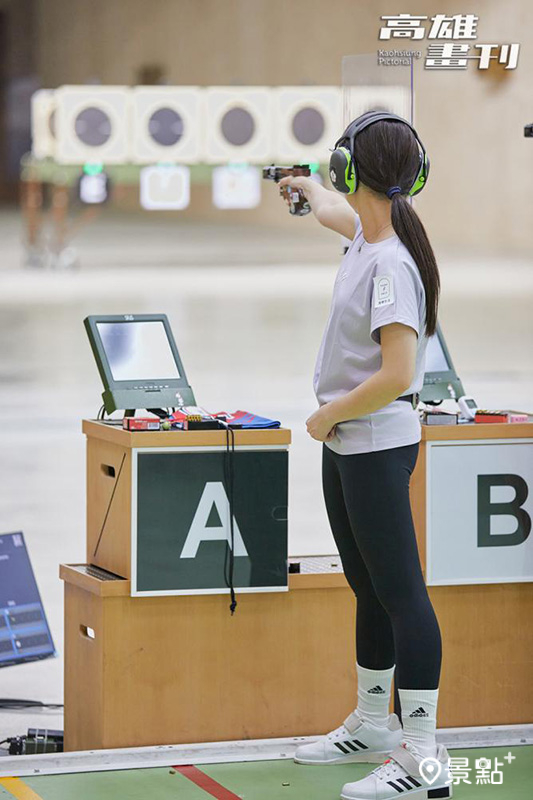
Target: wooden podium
(168,670)
(138,483)
(486,628)
(150,670)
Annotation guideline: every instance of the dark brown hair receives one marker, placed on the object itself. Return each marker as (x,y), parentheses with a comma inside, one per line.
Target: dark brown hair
(387,155)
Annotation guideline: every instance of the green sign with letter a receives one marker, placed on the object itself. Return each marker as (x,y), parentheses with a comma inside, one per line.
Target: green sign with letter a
(181,531)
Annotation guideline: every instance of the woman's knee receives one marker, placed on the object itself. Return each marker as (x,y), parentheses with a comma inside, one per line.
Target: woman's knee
(403,594)
(360,582)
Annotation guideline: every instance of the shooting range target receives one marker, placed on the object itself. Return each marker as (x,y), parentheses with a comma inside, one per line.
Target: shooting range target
(239,124)
(43,123)
(236,186)
(361,99)
(94,189)
(168,124)
(307,121)
(93,124)
(165,187)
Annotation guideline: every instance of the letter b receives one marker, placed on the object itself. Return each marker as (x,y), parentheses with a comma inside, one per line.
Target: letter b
(512,508)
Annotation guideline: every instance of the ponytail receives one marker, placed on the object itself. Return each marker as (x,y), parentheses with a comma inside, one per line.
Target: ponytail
(388,160)
(412,234)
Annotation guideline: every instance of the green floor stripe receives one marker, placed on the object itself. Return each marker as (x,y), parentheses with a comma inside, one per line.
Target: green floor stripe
(271,780)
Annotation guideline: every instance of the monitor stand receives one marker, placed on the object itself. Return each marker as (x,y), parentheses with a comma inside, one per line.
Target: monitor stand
(159,412)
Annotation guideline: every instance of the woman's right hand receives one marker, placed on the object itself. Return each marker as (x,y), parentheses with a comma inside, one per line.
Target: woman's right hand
(329,207)
(296,190)
(298,182)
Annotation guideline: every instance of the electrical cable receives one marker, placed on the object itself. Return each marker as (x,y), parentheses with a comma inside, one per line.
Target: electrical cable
(229,564)
(14,703)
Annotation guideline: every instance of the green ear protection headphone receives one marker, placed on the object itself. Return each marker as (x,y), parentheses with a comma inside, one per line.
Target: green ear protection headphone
(342,165)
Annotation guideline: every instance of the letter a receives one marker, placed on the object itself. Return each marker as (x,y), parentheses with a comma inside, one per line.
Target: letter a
(213,494)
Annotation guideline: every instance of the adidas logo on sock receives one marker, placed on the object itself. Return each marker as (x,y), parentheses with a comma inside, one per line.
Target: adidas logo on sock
(377,690)
(419,712)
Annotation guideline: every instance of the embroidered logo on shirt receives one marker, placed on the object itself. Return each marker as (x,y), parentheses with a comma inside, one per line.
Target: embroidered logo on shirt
(383,291)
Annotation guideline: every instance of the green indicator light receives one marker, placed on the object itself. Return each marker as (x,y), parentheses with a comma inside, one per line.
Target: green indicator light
(314,166)
(93,169)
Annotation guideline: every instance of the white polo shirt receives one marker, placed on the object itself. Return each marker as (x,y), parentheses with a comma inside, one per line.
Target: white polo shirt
(376,284)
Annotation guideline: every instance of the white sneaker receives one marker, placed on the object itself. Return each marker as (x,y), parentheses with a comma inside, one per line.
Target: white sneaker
(400,776)
(358,740)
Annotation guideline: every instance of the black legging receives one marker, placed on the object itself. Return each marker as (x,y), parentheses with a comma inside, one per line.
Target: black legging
(367,500)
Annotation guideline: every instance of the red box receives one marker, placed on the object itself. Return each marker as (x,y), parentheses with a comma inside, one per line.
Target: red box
(141,424)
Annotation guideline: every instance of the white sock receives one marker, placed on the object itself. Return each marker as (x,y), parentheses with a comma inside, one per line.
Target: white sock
(373,693)
(419,719)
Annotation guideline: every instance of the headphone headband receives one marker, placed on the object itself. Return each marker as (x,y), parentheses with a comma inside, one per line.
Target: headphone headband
(357,125)
(343,167)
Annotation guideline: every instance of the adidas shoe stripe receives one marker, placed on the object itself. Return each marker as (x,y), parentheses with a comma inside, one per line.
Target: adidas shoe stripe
(351,746)
(404,785)
(342,749)
(360,744)
(398,788)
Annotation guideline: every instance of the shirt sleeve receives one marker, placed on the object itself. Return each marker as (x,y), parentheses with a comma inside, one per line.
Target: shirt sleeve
(397,296)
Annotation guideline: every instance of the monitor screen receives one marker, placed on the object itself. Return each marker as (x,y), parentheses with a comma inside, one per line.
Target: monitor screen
(436,360)
(138,350)
(24,631)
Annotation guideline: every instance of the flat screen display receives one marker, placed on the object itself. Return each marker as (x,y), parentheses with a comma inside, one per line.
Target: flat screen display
(436,360)
(138,351)
(24,632)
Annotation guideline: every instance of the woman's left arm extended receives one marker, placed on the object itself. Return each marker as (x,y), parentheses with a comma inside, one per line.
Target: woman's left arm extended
(398,357)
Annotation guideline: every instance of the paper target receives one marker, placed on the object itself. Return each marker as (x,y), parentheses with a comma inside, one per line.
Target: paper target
(93,124)
(307,122)
(239,124)
(169,124)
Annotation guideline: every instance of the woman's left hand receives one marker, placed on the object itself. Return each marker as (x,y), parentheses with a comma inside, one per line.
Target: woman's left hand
(320,425)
